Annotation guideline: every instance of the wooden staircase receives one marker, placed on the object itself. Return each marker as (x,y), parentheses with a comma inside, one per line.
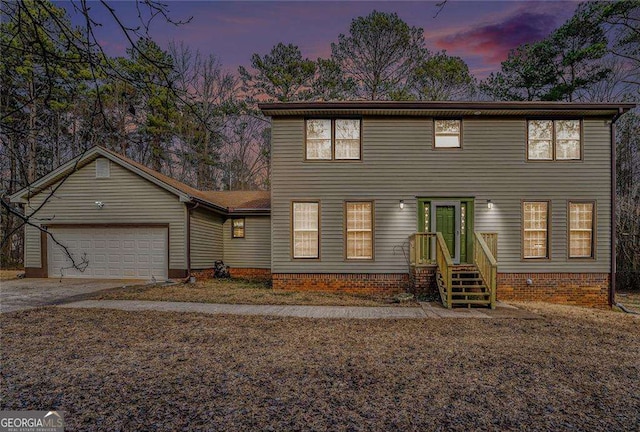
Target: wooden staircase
(467,287)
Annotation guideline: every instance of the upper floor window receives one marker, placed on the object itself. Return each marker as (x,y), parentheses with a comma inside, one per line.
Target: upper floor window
(306,229)
(554,140)
(337,139)
(447,133)
(535,215)
(237,228)
(581,218)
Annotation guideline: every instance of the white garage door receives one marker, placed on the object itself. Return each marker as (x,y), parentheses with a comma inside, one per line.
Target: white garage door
(111,253)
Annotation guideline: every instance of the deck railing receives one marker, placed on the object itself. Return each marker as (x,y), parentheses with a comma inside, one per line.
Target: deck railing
(422,249)
(491,239)
(487,265)
(445,266)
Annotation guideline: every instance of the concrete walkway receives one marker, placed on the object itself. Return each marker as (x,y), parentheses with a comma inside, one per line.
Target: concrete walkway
(426,310)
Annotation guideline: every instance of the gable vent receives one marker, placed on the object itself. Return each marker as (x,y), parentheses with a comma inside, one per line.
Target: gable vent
(102,168)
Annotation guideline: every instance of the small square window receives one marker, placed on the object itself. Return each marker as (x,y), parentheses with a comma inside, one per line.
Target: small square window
(447,133)
(102,168)
(237,228)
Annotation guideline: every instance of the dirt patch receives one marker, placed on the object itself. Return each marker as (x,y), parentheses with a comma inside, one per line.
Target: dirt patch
(236,291)
(574,369)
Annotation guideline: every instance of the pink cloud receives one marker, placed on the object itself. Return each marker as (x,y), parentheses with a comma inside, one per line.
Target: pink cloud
(493,41)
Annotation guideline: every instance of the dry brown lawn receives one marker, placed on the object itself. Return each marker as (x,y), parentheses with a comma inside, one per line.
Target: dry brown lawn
(631,300)
(237,291)
(9,274)
(574,369)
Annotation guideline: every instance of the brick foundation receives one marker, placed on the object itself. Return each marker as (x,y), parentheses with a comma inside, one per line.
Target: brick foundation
(581,289)
(423,281)
(202,273)
(262,274)
(354,283)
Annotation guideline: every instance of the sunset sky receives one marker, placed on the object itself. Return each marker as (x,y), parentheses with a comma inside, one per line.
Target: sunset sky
(480,32)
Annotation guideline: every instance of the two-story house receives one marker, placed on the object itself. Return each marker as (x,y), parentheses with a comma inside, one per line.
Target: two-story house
(380,195)
(478,199)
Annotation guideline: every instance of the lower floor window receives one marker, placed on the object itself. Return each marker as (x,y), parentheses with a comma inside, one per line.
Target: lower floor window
(359,230)
(306,229)
(535,229)
(581,229)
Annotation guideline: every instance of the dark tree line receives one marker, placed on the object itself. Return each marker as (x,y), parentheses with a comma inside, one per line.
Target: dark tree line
(177,110)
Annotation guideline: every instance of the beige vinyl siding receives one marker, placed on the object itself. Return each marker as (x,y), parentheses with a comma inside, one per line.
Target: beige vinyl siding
(398,163)
(252,251)
(128,199)
(206,239)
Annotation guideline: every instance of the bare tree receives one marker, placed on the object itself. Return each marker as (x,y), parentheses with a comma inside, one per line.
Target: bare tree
(45,62)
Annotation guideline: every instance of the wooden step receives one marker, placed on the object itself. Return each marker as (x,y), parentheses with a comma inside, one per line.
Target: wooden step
(471,302)
(469,286)
(469,294)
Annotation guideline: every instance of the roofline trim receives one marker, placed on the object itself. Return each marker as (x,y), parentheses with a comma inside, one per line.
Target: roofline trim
(269,107)
(40,184)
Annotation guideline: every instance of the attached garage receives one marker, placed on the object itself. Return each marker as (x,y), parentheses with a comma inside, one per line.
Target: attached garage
(135,252)
(126,221)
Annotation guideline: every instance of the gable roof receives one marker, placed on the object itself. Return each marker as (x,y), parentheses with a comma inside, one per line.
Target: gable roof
(445,108)
(256,201)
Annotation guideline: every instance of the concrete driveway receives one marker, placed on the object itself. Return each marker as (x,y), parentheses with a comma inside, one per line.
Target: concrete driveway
(20,294)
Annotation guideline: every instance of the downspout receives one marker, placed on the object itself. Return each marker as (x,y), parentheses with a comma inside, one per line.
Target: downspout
(189,209)
(614,180)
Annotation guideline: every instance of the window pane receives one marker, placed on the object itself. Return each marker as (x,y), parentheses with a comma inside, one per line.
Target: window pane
(447,133)
(450,127)
(359,237)
(568,129)
(347,139)
(305,230)
(318,139)
(567,149)
(580,230)
(567,139)
(535,230)
(540,139)
(238,228)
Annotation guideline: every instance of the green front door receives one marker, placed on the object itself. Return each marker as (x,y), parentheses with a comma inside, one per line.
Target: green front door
(446,224)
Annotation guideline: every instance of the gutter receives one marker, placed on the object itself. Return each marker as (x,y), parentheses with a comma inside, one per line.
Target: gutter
(190,208)
(209,205)
(614,181)
(249,211)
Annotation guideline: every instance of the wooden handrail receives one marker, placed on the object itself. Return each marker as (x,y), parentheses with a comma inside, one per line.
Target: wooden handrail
(445,265)
(421,249)
(492,241)
(487,265)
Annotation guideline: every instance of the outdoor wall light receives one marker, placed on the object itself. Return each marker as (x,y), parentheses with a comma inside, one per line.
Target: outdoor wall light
(489,204)
(99,204)
(401,204)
